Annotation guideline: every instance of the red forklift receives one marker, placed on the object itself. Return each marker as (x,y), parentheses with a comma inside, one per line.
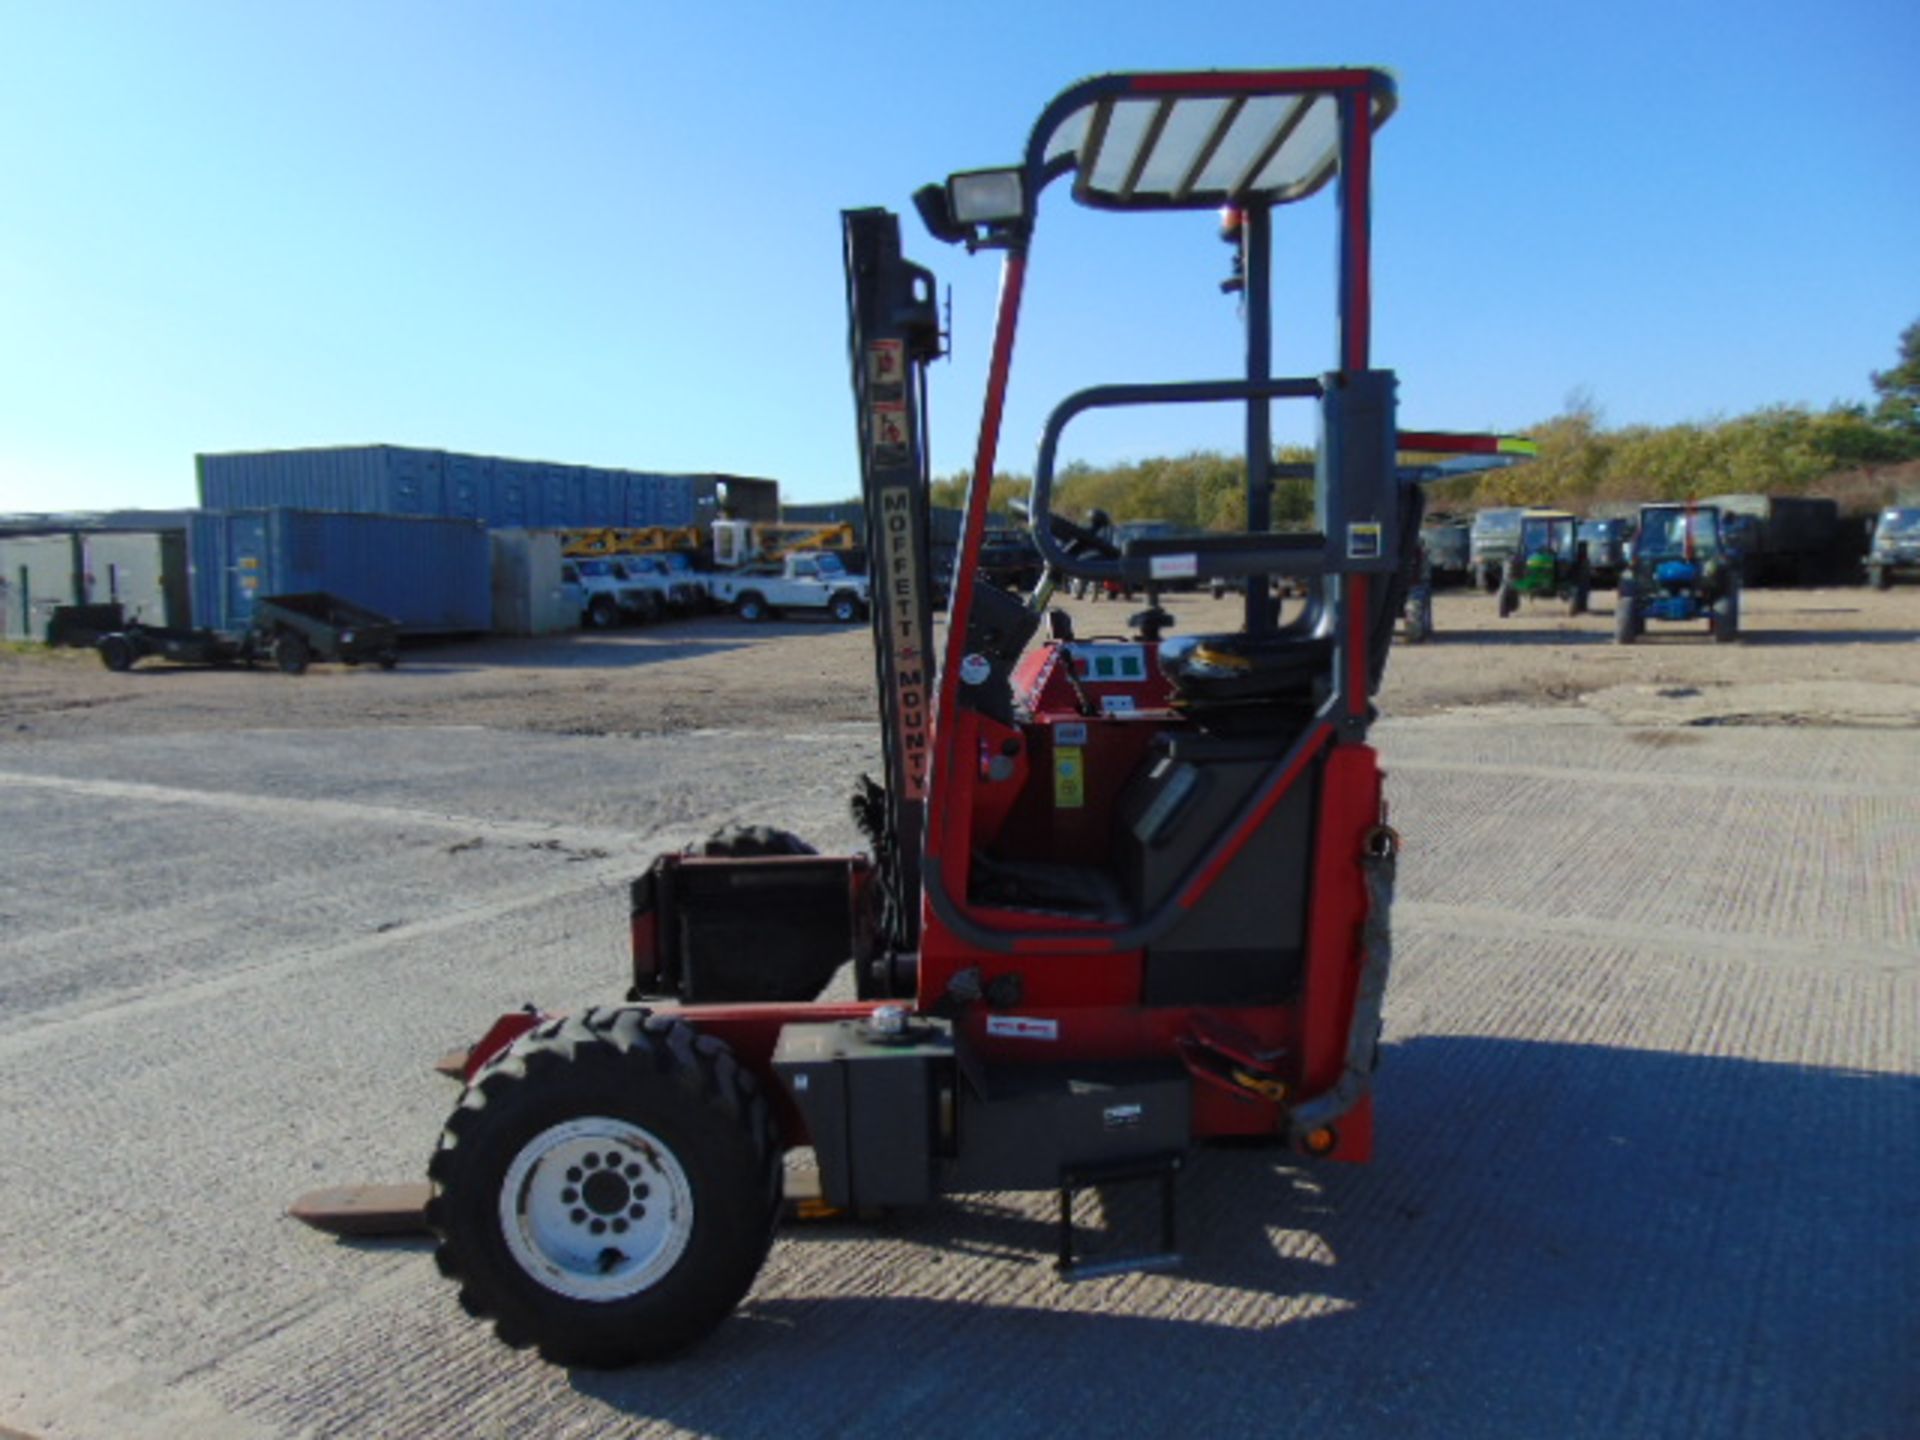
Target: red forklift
(1123,896)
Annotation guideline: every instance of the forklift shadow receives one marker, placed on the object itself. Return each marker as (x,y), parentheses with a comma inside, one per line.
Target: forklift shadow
(1548,1230)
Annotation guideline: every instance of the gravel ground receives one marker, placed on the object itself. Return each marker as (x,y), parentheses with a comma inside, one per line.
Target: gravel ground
(1649,1137)
(1854,654)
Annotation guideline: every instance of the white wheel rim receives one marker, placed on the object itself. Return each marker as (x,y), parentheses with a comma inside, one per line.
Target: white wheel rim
(596,1209)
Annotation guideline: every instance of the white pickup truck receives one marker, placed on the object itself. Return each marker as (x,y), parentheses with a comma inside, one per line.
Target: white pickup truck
(621,589)
(811,580)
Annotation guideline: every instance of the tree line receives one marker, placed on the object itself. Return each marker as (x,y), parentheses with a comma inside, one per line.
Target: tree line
(1858,454)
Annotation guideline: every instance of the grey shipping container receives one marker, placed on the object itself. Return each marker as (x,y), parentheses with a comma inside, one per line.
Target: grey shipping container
(528,598)
(143,572)
(500,493)
(37,573)
(431,575)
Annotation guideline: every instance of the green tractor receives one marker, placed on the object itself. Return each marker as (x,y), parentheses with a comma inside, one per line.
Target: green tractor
(1682,569)
(1549,563)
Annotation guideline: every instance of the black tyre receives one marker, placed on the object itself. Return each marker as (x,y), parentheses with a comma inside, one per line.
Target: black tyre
(751,607)
(388,659)
(608,1189)
(116,653)
(1509,601)
(1419,615)
(1880,578)
(1490,578)
(844,607)
(1577,599)
(1626,625)
(291,654)
(1724,620)
(602,612)
(742,841)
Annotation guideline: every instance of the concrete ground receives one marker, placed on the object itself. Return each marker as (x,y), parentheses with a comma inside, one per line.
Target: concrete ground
(1649,1140)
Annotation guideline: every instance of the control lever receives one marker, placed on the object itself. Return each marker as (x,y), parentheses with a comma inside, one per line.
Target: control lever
(1149,623)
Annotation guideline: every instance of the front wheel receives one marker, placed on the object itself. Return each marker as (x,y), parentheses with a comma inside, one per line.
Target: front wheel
(751,608)
(607,1189)
(845,608)
(603,613)
(116,653)
(290,653)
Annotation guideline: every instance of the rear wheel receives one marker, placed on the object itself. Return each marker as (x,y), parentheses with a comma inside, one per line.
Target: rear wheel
(1626,625)
(1490,578)
(607,1189)
(1880,578)
(751,607)
(1419,616)
(1509,601)
(291,654)
(116,653)
(1724,620)
(1577,599)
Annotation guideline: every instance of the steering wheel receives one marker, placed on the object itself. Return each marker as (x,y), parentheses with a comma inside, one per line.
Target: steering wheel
(1078,540)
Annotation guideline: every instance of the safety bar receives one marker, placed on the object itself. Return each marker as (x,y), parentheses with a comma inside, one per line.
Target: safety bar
(1213,556)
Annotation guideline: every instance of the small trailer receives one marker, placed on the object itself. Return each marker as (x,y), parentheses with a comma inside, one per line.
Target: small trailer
(291,630)
(298,629)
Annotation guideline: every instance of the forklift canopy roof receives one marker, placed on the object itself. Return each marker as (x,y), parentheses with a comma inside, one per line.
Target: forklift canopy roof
(1201,140)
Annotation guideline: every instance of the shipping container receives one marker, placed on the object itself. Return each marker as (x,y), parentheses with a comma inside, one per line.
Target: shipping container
(143,572)
(1783,539)
(431,575)
(528,596)
(843,512)
(38,573)
(498,492)
(742,497)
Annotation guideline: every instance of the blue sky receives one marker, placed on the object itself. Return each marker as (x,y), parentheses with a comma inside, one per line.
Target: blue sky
(607,233)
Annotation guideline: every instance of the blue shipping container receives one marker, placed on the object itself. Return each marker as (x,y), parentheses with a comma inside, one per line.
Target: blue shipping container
(432,575)
(500,493)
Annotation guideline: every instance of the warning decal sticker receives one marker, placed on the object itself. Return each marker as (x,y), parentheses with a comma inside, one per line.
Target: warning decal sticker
(889,433)
(887,363)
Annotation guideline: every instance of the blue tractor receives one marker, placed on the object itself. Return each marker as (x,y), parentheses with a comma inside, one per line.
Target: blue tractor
(1682,569)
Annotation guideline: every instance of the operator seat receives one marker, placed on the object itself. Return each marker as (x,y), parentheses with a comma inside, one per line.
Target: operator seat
(1238,667)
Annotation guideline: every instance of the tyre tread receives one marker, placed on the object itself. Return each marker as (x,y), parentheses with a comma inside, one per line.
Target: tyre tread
(703,1068)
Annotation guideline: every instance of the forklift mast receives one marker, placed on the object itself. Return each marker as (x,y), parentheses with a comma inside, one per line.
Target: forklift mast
(893,334)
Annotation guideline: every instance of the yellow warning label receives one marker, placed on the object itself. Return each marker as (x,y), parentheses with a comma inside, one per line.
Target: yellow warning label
(1069,779)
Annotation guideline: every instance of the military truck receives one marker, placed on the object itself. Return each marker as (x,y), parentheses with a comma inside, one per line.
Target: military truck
(1896,546)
